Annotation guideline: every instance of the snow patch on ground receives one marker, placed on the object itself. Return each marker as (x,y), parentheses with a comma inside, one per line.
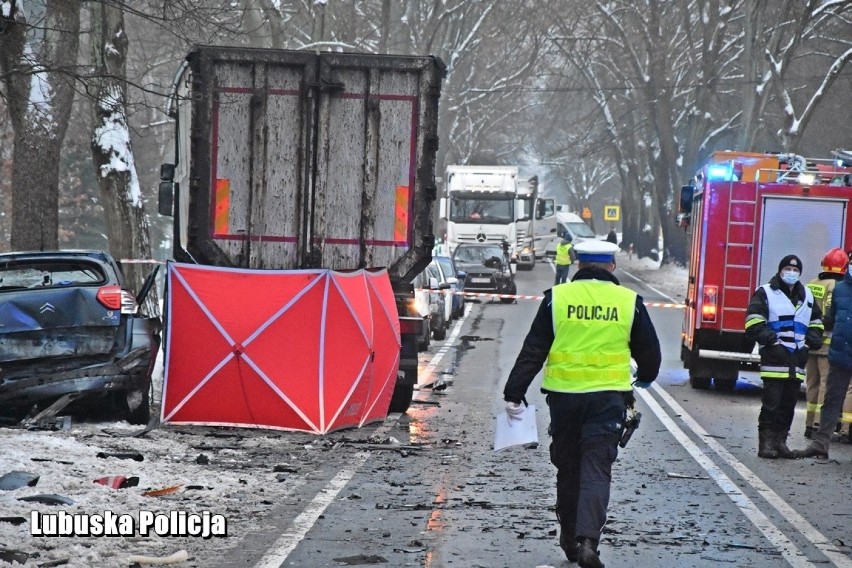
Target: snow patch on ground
(667,278)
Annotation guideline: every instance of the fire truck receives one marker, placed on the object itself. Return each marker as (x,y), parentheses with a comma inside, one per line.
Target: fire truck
(746,211)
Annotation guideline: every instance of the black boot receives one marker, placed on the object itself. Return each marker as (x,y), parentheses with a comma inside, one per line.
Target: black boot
(813,450)
(587,553)
(781,445)
(766,444)
(568,545)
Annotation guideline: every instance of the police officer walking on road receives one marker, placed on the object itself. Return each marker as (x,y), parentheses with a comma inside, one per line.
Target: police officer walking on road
(584,334)
(784,320)
(565,257)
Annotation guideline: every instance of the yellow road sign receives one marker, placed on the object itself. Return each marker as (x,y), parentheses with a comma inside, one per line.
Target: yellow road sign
(612,212)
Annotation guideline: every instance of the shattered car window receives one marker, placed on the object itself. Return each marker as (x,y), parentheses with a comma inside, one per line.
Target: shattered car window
(18,275)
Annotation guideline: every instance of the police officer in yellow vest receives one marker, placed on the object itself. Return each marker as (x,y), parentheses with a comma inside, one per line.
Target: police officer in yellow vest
(565,257)
(784,320)
(584,334)
(834,265)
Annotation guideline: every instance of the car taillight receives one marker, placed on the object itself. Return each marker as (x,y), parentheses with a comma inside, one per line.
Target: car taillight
(114,298)
(708,305)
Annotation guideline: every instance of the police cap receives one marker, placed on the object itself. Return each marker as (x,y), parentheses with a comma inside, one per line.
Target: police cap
(596,251)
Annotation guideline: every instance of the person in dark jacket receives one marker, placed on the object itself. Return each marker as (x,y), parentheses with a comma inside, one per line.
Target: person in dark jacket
(839,369)
(833,266)
(784,320)
(584,334)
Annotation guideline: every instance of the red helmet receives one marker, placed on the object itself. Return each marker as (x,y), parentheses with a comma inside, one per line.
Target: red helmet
(836,260)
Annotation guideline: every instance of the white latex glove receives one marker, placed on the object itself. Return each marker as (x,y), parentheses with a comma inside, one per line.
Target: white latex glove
(514,410)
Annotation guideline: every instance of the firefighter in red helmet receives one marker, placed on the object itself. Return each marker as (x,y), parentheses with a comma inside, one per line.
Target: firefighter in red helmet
(834,265)
(846,415)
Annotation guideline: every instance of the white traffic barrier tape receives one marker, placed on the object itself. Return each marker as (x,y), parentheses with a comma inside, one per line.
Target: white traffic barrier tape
(529,297)
(495,295)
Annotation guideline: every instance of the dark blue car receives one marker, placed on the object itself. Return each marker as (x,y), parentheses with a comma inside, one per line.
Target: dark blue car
(71,334)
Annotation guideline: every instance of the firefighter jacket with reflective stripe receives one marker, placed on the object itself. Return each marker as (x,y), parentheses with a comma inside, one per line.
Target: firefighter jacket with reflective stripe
(592,321)
(563,254)
(784,325)
(822,289)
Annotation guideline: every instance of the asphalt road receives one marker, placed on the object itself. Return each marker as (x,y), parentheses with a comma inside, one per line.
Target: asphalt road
(688,490)
(425,488)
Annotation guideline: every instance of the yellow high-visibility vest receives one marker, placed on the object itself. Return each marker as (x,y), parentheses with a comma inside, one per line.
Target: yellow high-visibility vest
(592,320)
(823,289)
(563,254)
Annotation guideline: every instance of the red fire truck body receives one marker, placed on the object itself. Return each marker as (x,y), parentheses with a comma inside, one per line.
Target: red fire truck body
(747,211)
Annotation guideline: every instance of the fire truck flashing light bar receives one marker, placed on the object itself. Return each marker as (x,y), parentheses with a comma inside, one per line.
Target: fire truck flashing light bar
(721,172)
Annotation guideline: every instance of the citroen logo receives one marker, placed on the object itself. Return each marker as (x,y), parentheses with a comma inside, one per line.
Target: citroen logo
(47,307)
(481,238)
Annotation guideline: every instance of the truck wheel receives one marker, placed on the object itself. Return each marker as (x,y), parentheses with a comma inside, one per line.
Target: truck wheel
(401,398)
(724,384)
(440,334)
(440,331)
(698,381)
(423,342)
(725,380)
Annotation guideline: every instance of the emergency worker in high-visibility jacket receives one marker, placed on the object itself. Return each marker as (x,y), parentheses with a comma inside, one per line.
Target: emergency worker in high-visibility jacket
(784,320)
(584,334)
(565,257)
(833,266)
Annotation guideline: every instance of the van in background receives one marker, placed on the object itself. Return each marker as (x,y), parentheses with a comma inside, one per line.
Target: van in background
(571,223)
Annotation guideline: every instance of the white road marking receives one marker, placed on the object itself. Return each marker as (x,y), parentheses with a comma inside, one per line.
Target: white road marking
(304,522)
(287,542)
(789,551)
(448,343)
(637,279)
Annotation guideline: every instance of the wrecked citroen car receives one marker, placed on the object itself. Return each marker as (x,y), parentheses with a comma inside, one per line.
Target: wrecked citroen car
(72,338)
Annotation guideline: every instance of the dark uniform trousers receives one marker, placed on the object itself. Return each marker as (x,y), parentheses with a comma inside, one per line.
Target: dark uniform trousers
(778,404)
(585,429)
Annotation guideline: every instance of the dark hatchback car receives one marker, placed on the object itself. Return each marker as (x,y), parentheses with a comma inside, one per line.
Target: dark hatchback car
(487,267)
(69,329)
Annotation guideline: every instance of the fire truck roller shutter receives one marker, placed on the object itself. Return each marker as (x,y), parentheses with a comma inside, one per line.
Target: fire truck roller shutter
(805,227)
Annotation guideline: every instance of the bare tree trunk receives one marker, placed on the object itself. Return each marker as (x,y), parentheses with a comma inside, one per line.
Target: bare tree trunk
(318,33)
(257,31)
(112,155)
(664,165)
(385,26)
(38,83)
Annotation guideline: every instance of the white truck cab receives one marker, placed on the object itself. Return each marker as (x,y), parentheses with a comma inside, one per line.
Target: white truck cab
(479,205)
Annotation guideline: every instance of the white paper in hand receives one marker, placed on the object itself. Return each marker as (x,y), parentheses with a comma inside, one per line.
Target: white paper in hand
(510,433)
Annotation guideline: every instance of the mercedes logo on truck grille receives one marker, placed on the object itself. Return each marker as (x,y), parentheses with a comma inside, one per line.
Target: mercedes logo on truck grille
(481,238)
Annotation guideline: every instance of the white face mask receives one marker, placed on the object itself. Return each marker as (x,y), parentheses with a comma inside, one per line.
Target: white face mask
(790,277)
